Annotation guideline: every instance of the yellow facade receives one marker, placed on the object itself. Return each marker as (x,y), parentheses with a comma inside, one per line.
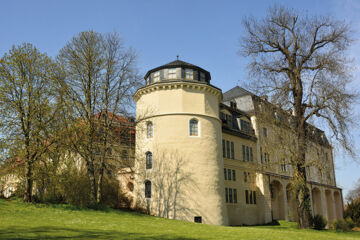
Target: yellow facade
(194,162)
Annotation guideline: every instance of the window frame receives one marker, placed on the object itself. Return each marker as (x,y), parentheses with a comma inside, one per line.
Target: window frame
(194,128)
(172,73)
(147,191)
(149,129)
(149,160)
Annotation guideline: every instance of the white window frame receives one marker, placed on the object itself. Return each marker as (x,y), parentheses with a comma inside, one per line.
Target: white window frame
(189,74)
(172,73)
(156,76)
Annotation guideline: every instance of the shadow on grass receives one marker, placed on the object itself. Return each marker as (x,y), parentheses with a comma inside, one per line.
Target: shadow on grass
(47,232)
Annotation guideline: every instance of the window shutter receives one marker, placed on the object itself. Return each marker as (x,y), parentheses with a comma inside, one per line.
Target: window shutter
(162,74)
(196,75)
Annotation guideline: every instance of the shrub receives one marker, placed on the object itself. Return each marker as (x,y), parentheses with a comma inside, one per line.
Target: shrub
(352,210)
(344,225)
(318,222)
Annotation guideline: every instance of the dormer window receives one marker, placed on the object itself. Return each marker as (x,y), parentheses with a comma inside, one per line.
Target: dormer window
(202,77)
(156,76)
(189,74)
(172,73)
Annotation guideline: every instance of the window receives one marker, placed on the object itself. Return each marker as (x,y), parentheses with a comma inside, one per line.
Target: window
(245,125)
(157,76)
(148,160)
(235,195)
(223,148)
(172,73)
(189,74)
(230,195)
(225,174)
(251,155)
(193,127)
(227,149)
(283,167)
(250,197)
(261,155)
(245,177)
(264,132)
(233,104)
(124,154)
(232,150)
(243,152)
(229,174)
(247,153)
(147,189)
(149,129)
(226,195)
(197,219)
(233,175)
(202,77)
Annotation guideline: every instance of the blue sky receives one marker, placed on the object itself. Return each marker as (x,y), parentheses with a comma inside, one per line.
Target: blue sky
(205,33)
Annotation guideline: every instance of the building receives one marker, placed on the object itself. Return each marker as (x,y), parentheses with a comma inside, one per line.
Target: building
(221,159)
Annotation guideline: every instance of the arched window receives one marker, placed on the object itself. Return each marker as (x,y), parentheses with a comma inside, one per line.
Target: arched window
(194,127)
(149,129)
(148,160)
(147,189)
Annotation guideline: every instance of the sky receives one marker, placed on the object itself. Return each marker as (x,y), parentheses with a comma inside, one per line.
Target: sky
(205,33)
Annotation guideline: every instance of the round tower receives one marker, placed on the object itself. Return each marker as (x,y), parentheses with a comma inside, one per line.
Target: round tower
(179,164)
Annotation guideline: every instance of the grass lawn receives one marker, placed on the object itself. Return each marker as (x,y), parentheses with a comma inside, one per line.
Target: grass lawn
(40,221)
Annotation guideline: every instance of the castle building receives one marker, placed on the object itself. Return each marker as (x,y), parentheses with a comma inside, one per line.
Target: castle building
(222,159)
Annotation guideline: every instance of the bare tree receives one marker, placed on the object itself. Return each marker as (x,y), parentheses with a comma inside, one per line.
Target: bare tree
(300,61)
(30,101)
(101,77)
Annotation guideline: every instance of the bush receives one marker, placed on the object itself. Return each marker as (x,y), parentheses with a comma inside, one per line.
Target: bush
(352,210)
(318,222)
(344,225)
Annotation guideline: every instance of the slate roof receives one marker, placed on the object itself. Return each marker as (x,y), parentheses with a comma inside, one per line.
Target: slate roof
(235,92)
(179,63)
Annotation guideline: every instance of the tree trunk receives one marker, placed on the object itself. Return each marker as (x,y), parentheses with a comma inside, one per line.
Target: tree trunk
(100,183)
(302,192)
(28,182)
(91,176)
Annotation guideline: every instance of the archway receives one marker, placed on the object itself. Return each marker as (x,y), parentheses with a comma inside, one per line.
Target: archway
(329,205)
(316,201)
(277,200)
(338,205)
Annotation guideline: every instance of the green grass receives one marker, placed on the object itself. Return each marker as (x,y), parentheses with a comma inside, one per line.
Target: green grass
(40,221)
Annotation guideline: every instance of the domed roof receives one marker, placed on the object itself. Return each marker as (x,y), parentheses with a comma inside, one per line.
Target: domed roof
(178,63)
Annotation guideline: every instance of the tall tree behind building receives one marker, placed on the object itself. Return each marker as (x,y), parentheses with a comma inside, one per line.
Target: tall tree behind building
(300,61)
(30,101)
(101,76)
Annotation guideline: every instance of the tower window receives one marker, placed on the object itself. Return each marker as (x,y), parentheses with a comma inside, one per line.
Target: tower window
(148,160)
(194,127)
(189,74)
(172,73)
(202,77)
(156,76)
(149,129)
(147,189)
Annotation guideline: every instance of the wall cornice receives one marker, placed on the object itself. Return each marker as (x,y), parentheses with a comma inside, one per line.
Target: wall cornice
(167,85)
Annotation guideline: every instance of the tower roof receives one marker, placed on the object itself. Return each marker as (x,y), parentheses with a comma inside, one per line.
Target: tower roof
(179,63)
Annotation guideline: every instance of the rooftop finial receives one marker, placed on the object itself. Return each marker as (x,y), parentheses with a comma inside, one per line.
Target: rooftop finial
(177,57)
